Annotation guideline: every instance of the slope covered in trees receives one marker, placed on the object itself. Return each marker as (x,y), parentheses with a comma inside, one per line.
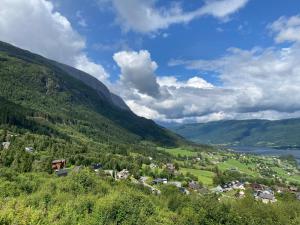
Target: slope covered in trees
(281,133)
(45,92)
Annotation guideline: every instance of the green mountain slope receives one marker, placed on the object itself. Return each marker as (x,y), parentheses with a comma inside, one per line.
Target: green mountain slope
(54,99)
(282,133)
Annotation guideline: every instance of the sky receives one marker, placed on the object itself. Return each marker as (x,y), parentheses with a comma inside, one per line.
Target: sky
(173,61)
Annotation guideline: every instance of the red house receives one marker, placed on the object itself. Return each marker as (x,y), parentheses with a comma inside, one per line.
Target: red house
(58,164)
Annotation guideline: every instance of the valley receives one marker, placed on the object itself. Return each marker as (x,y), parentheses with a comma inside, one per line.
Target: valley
(72,154)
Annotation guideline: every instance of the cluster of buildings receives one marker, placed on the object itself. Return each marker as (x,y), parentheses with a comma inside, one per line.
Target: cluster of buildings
(6,144)
(263,193)
(233,185)
(59,166)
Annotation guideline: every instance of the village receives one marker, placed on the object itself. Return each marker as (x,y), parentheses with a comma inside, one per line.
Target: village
(235,189)
(198,173)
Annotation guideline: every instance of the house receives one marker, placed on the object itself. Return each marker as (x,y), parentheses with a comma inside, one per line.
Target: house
(153,166)
(170,167)
(109,173)
(160,181)
(257,187)
(96,166)
(238,185)
(176,184)
(265,196)
(62,172)
(58,164)
(184,190)
(293,189)
(29,149)
(155,191)
(194,185)
(227,187)
(5,145)
(217,189)
(122,175)
(143,179)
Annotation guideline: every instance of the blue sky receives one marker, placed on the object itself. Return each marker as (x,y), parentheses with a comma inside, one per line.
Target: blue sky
(205,38)
(173,61)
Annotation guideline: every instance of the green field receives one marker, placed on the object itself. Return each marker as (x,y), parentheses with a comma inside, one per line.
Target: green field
(283,174)
(206,177)
(179,151)
(233,163)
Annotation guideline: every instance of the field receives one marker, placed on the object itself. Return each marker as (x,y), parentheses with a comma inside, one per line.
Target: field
(179,151)
(233,163)
(206,177)
(283,174)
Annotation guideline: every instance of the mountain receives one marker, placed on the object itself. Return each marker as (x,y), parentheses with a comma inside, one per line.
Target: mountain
(280,133)
(52,98)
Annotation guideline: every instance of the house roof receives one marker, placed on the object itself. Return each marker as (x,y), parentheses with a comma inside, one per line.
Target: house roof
(58,160)
(62,172)
(266,196)
(160,180)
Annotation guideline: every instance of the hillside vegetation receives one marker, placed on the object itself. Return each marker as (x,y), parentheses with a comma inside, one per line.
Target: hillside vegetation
(56,125)
(282,133)
(50,97)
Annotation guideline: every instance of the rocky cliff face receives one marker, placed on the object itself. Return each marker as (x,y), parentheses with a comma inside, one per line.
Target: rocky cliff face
(94,83)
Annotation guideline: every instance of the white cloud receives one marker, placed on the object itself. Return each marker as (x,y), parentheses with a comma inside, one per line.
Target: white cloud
(148,17)
(36,26)
(194,82)
(81,20)
(137,71)
(256,83)
(85,64)
(286,29)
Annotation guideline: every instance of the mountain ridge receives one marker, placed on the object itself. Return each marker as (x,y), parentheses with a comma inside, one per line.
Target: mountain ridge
(59,91)
(255,132)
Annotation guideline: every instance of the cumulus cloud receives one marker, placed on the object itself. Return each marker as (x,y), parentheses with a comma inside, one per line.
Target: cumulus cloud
(286,29)
(137,71)
(36,26)
(262,82)
(256,83)
(195,82)
(148,17)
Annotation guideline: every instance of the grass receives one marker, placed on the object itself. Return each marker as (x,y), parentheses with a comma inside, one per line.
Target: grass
(282,173)
(206,177)
(233,163)
(179,151)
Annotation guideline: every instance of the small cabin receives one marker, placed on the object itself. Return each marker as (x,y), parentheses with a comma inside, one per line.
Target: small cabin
(122,175)
(96,166)
(5,145)
(29,149)
(58,164)
(160,181)
(62,173)
(194,185)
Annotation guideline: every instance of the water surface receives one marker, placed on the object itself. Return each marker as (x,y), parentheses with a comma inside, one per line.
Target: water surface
(265,151)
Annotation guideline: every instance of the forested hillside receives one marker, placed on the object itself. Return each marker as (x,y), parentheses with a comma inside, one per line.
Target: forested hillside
(281,133)
(54,97)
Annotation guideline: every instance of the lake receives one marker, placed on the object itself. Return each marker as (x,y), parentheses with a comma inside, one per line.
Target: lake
(268,151)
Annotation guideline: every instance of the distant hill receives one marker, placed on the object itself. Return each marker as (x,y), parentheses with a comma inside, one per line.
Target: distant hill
(41,95)
(280,133)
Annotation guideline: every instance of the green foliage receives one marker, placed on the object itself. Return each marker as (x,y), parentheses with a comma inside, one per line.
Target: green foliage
(282,133)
